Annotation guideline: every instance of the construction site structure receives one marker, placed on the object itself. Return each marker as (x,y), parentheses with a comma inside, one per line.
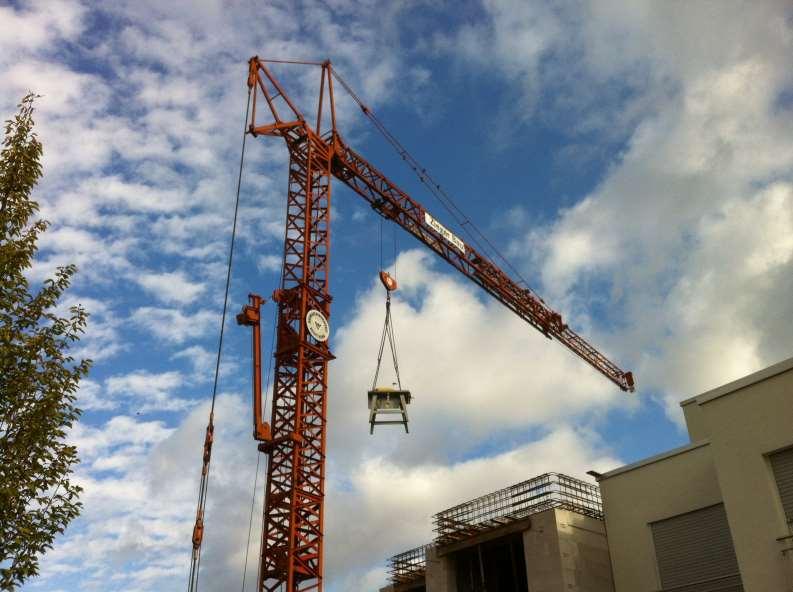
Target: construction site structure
(714,515)
(545,534)
(291,556)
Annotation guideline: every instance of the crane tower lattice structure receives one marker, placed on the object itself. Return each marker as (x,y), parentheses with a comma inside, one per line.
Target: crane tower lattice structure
(291,557)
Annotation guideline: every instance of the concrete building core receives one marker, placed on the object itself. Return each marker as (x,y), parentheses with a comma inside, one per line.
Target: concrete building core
(715,515)
(542,535)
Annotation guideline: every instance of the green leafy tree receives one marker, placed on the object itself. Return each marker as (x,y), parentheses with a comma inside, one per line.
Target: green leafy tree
(38,377)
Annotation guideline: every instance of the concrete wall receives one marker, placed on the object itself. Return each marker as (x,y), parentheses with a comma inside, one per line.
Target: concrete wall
(744,427)
(584,553)
(661,487)
(695,420)
(735,427)
(566,552)
(541,552)
(440,575)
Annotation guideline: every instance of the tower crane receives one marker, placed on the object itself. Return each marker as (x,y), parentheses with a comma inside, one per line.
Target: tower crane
(291,556)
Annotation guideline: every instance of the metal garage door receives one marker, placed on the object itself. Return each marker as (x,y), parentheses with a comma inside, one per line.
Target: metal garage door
(695,553)
(782,464)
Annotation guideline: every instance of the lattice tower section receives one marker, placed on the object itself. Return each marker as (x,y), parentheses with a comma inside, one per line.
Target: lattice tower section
(291,550)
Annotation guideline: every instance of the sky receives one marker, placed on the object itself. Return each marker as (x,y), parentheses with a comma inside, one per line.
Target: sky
(633,160)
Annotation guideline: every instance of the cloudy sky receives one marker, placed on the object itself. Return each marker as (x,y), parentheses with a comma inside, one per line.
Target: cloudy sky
(635,161)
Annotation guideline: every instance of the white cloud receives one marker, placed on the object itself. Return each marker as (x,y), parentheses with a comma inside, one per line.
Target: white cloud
(269,263)
(40,21)
(201,359)
(146,391)
(140,480)
(689,229)
(102,339)
(172,325)
(89,396)
(172,287)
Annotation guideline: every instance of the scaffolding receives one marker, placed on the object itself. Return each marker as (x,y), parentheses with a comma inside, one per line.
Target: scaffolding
(408,566)
(499,508)
(502,507)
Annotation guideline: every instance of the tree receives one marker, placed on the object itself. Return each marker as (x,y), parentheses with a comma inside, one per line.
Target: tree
(38,377)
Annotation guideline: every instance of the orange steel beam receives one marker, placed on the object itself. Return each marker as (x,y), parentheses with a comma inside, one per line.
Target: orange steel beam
(250,316)
(291,557)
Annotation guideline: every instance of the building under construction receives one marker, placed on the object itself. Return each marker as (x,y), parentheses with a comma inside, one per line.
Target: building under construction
(546,533)
(715,515)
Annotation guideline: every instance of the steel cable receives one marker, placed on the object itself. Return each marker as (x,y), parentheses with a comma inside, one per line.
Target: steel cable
(427,180)
(250,520)
(198,529)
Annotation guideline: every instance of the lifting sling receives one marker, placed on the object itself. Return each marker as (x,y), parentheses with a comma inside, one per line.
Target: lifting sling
(388,400)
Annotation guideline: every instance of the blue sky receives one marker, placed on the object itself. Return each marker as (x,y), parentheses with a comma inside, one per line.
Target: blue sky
(633,161)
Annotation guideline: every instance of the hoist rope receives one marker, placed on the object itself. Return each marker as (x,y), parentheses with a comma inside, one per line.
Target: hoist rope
(427,180)
(395,252)
(198,529)
(381,244)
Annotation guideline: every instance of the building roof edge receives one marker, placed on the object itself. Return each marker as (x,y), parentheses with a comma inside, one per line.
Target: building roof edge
(653,459)
(740,383)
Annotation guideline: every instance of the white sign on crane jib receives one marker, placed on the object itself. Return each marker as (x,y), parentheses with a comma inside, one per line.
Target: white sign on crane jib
(444,232)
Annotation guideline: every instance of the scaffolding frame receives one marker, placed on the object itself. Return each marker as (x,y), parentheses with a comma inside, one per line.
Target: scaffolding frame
(408,565)
(502,507)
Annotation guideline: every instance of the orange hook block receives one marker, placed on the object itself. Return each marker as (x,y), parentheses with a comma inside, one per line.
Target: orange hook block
(389,282)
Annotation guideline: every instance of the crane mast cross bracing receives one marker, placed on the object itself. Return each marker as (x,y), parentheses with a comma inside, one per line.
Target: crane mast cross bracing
(291,547)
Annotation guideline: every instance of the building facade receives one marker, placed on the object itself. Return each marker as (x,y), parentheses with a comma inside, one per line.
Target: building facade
(715,515)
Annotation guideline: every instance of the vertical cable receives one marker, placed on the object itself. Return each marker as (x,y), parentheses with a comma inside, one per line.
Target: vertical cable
(250,520)
(395,251)
(381,245)
(198,529)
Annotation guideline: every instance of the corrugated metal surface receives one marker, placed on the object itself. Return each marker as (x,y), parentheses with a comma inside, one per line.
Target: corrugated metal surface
(695,550)
(782,464)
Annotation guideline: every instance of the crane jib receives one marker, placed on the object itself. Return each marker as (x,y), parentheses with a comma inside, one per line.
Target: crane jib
(444,232)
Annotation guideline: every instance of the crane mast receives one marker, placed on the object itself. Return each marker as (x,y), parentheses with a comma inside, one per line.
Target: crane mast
(291,557)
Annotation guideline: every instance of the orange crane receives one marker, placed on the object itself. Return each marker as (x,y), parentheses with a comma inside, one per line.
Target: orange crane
(291,557)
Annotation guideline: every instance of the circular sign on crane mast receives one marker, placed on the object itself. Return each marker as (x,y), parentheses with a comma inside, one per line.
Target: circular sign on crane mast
(317,325)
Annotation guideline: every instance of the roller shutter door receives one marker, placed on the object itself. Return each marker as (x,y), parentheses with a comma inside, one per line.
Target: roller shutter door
(782,465)
(695,553)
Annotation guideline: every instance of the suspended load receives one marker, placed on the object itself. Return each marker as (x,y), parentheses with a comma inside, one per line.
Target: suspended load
(388,401)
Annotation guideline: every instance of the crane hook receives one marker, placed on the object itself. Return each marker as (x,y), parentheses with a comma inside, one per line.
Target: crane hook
(389,282)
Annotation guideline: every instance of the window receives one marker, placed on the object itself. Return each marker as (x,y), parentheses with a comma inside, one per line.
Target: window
(695,553)
(782,465)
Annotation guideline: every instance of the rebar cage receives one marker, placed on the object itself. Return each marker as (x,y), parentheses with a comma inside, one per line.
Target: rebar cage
(408,565)
(551,490)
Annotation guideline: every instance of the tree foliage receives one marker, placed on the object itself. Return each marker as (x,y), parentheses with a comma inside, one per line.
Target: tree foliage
(38,377)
